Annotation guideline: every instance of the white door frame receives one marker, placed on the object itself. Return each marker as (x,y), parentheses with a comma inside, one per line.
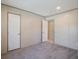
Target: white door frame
(8,27)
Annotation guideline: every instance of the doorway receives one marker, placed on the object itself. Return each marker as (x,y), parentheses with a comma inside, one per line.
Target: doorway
(51,31)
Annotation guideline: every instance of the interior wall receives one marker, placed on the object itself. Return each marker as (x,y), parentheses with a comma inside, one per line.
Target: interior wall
(30,27)
(66,29)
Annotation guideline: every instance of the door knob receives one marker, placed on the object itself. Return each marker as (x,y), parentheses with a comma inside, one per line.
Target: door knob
(18,33)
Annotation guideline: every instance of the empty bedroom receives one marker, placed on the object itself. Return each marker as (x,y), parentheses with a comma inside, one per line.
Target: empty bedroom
(39,29)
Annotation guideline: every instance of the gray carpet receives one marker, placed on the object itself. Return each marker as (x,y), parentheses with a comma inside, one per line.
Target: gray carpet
(43,50)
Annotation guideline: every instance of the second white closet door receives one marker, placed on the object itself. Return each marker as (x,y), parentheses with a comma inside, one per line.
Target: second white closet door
(13,31)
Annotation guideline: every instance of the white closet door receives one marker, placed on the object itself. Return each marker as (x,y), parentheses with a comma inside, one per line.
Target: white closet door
(44,30)
(13,31)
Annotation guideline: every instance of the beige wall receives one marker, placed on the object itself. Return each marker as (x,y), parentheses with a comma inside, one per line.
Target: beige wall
(66,29)
(30,27)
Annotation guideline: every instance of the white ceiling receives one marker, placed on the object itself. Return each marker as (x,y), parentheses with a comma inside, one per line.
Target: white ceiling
(43,7)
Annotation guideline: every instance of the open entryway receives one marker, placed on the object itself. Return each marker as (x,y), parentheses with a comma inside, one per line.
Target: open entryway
(48,31)
(51,31)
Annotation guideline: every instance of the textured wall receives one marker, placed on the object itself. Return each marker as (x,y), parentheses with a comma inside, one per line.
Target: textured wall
(66,29)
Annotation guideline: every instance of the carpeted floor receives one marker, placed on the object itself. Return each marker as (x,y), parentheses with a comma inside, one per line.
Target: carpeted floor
(43,50)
